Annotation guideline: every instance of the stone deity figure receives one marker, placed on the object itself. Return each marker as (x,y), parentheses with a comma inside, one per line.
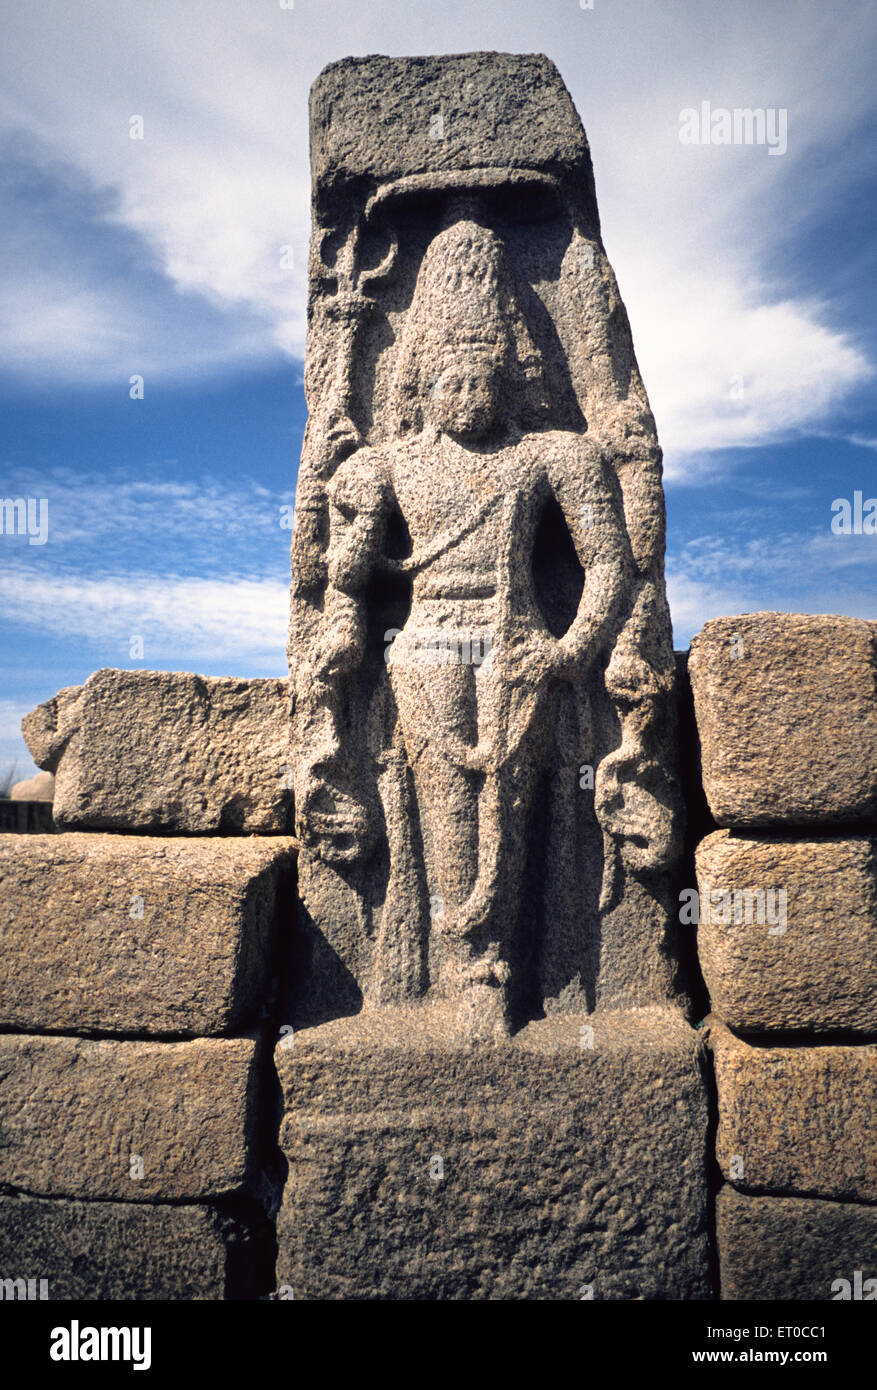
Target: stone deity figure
(474,671)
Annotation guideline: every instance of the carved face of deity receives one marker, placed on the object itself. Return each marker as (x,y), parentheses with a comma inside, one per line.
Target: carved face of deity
(465,396)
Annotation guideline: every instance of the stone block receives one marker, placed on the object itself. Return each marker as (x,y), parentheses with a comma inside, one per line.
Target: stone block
(794,946)
(111,1251)
(137,934)
(375,118)
(167,751)
(567,1162)
(794,1248)
(129,1121)
(786,708)
(796,1121)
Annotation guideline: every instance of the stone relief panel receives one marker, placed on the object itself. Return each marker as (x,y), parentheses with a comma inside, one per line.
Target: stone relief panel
(480,645)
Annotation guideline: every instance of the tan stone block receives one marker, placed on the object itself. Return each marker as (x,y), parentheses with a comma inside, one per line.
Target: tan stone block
(133,1121)
(795,1248)
(165,750)
(137,934)
(121,1250)
(796,1121)
(425,1166)
(40,787)
(786,707)
(799,949)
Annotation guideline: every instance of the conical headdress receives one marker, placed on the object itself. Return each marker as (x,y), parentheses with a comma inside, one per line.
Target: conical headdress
(465,303)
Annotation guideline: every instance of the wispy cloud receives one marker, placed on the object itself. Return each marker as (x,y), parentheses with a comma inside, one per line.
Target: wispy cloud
(182,621)
(219,185)
(101,521)
(794,571)
(85,297)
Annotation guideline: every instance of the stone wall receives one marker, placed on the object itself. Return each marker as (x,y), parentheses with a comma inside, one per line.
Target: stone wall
(143,983)
(137,1157)
(786,712)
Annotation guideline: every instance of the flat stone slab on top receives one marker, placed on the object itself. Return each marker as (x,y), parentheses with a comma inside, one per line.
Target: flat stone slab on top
(166,751)
(566,1162)
(381,118)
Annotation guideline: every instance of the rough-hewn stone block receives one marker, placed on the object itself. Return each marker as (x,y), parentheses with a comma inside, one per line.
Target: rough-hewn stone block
(375,117)
(791,1247)
(136,934)
(135,1121)
(425,1166)
(794,946)
(796,1120)
(786,710)
(161,750)
(119,1250)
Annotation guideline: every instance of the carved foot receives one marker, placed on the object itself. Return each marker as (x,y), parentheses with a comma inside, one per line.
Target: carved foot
(483,1012)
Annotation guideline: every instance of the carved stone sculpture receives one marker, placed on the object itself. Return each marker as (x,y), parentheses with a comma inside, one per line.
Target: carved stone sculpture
(480,643)
(483,737)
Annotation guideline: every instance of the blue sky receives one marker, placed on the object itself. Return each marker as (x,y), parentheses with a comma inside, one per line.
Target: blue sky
(749,280)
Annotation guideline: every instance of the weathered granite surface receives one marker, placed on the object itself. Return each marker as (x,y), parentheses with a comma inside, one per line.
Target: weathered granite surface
(119,1250)
(789,1247)
(561,1163)
(373,119)
(794,947)
(132,1121)
(786,709)
(796,1121)
(167,751)
(139,935)
(483,738)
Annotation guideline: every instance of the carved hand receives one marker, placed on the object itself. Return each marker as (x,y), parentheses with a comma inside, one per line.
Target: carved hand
(528,654)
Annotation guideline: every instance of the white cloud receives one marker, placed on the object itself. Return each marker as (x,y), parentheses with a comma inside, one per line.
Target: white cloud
(796,571)
(742,373)
(183,621)
(52,328)
(83,298)
(110,515)
(220,181)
